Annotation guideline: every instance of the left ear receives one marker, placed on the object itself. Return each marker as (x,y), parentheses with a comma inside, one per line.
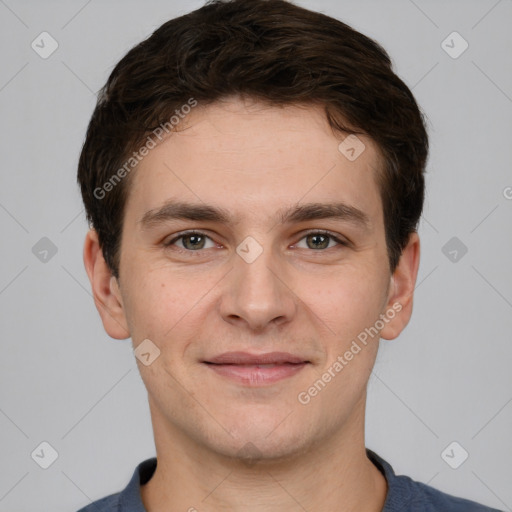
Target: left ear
(401,289)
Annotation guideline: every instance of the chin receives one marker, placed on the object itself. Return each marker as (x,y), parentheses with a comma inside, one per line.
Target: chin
(261,441)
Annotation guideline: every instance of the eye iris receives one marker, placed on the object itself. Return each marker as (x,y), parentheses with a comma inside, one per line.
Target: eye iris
(316,238)
(197,241)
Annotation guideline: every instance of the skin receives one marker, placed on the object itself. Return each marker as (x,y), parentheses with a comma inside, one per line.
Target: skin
(222,445)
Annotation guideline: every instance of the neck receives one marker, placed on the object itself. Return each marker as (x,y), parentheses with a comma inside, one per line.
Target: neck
(335,475)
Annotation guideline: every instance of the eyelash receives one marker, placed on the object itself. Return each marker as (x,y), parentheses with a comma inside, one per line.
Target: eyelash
(199,233)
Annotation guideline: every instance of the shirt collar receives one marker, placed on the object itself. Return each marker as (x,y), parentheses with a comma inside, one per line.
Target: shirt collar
(399,489)
(130,498)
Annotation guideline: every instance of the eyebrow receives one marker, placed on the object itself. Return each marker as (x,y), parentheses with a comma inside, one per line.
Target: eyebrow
(172,210)
(178,210)
(315,211)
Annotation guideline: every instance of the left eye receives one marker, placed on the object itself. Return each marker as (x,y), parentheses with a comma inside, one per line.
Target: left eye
(320,240)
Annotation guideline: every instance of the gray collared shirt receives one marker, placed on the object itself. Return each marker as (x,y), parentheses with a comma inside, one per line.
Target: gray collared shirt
(404,494)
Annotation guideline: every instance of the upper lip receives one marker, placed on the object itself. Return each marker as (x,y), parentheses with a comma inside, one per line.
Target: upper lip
(248,359)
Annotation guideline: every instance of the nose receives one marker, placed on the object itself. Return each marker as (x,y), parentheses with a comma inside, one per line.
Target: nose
(256,294)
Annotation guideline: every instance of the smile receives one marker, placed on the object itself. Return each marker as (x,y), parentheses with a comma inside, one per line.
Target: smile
(256,369)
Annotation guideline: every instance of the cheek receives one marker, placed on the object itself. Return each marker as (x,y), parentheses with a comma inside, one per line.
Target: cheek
(346,301)
(154,303)
(168,306)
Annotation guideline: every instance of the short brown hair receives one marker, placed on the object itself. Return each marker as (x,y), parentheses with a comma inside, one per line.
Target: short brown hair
(272,51)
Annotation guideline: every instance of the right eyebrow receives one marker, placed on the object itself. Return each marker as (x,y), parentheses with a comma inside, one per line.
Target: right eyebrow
(172,210)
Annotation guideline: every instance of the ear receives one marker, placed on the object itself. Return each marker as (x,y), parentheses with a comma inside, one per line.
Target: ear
(401,290)
(105,289)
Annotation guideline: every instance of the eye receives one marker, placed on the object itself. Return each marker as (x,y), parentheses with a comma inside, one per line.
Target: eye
(320,240)
(191,241)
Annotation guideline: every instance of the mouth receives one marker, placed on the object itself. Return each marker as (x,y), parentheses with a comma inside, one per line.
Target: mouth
(256,369)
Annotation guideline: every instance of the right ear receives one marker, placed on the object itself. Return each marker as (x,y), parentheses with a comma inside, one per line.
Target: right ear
(105,289)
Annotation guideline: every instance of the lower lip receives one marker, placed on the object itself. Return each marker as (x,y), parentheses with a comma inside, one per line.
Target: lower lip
(254,376)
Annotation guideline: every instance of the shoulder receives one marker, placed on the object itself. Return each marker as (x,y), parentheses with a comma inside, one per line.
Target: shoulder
(404,493)
(129,499)
(107,504)
(425,498)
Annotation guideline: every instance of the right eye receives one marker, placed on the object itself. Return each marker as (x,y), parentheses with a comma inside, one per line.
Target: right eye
(191,241)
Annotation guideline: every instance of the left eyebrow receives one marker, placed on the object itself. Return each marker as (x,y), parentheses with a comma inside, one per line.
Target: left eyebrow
(172,210)
(316,211)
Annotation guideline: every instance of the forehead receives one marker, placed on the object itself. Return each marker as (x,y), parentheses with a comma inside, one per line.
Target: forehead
(252,157)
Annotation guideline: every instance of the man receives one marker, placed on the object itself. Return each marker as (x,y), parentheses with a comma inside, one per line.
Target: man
(253,176)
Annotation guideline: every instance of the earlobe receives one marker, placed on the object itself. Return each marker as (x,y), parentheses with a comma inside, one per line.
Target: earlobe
(398,309)
(105,289)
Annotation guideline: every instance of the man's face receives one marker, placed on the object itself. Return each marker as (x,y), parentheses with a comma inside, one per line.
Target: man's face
(287,288)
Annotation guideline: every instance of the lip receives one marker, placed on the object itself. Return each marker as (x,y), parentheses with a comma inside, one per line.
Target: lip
(241,358)
(252,370)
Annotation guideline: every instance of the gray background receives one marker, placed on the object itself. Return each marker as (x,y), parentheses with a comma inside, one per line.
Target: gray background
(64,381)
